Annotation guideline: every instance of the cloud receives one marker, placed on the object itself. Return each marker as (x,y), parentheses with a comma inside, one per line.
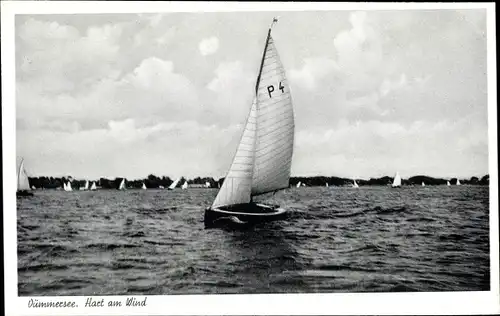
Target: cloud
(209,46)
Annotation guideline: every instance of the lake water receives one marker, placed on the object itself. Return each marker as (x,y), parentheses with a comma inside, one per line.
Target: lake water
(145,242)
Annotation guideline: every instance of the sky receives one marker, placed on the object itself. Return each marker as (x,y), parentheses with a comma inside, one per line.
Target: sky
(374,92)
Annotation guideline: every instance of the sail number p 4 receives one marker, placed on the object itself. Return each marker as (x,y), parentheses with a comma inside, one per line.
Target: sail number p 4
(270,89)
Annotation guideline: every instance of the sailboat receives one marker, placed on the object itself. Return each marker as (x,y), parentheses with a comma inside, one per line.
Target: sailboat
(355,185)
(448,183)
(184,185)
(299,184)
(93,187)
(263,158)
(85,187)
(174,184)
(68,187)
(144,186)
(326,185)
(22,181)
(458,182)
(122,185)
(397,181)
(207,184)
(423,184)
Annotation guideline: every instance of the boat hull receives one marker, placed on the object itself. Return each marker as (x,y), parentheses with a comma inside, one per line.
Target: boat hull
(23,193)
(245,214)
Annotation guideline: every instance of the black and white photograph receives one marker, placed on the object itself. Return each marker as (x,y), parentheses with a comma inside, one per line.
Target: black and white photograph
(276,149)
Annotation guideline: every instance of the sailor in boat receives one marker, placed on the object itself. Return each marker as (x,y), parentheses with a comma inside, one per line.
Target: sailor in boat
(263,160)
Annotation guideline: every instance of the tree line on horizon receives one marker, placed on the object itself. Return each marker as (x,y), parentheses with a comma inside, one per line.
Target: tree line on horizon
(153,181)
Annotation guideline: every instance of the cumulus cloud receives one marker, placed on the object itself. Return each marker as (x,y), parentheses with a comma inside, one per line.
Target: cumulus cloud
(365,86)
(209,46)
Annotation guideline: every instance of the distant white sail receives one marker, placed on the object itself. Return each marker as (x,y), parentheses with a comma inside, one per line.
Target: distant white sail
(448,183)
(22,178)
(423,184)
(299,184)
(207,184)
(161,187)
(174,184)
(397,180)
(144,186)
(33,187)
(458,182)
(86,185)
(326,185)
(355,185)
(184,185)
(68,186)
(122,185)
(93,187)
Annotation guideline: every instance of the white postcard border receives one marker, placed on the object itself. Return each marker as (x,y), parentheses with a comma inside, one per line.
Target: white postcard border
(458,303)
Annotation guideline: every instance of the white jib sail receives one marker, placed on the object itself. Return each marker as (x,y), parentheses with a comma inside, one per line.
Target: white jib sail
(237,185)
(22,178)
(174,184)
(397,180)
(275,126)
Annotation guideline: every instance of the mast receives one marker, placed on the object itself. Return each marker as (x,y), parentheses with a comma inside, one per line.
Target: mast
(275,20)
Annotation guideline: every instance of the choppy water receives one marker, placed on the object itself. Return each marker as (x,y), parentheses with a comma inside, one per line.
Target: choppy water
(336,240)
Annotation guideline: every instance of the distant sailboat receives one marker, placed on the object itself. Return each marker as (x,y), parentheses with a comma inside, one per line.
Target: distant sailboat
(144,186)
(355,185)
(122,185)
(397,181)
(68,187)
(174,184)
(207,184)
(326,185)
(22,181)
(458,182)
(184,185)
(161,187)
(93,187)
(299,184)
(86,185)
(448,183)
(263,158)
(423,184)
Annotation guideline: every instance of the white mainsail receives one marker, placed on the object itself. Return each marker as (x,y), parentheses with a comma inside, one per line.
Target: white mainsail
(326,185)
(93,187)
(448,183)
(144,186)
(263,159)
(86,185)
(299,184)
(122,185)
(174,184)
(423,184)
(397,180)
(68,186)
(458,182)
(22,178)
(184,185)
(355,185)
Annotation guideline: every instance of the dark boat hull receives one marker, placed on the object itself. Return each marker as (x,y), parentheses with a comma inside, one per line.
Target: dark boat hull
(251,213)
(23,193)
